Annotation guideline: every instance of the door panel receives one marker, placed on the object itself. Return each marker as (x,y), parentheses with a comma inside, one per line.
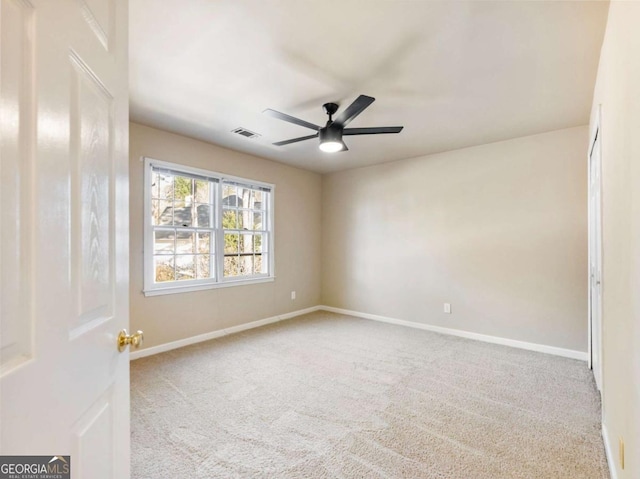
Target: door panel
(92,201)
(92,451)
(64,385)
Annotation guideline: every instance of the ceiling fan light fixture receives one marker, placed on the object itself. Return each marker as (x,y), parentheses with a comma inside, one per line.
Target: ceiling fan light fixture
(330,146)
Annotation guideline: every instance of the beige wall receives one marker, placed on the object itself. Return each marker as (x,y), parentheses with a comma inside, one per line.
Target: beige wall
(297,243)
(499,231)
(618,93)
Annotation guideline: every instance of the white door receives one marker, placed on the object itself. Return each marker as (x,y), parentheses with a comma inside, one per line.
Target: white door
(595,258)
(64,387)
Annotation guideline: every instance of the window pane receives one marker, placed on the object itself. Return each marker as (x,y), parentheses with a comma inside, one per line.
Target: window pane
(245,267)
(231,243)
(257,243)
(164,241)
(185,242)
(258,200)
(162,212)
(203,263)
(244,197)
(257,264)
(201,191)
(155,184)
(231,266)
(244,219)
(203,215)
(246,244)
(181,214)
(164,268)
(183,188)
(185,267)
(229,196)
(230,219)
(258,221)
(165,186)
(204,242)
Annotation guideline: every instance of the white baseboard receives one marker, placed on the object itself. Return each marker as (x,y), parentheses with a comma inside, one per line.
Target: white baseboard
(567,353)
(541,348)
(609,452)
(217,334)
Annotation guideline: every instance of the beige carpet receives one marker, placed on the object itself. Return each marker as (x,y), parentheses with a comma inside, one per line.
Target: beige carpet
(331,396)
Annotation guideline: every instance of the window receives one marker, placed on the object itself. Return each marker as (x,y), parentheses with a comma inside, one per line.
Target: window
(246,238)
(204,229)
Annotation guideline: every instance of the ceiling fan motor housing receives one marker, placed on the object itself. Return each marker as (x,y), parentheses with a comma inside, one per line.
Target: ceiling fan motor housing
(331,132)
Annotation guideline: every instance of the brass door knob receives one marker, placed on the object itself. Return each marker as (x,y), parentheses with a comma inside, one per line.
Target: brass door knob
(125,340)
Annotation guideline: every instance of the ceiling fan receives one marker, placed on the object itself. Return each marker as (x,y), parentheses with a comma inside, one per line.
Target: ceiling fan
(331,134)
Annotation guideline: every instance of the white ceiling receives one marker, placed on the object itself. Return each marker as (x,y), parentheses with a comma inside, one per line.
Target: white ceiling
(455,74)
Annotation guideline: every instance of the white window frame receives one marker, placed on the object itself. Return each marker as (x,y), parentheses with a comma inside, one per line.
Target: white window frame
(151,288)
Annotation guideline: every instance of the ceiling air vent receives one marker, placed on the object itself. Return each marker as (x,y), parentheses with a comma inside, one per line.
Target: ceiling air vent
(245,132)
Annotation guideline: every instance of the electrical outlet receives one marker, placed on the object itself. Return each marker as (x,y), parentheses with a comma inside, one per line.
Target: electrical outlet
(447,308)
(621,449)
(293,295)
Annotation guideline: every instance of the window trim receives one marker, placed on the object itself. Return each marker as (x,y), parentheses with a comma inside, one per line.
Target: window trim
(150,288)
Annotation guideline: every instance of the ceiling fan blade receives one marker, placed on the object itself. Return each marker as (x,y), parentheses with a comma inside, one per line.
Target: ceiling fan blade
(353,110)
(290,119)
(295,140)
(344,147)
(372,131)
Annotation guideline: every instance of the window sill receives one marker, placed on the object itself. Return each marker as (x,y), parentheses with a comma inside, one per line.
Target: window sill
(202,287)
